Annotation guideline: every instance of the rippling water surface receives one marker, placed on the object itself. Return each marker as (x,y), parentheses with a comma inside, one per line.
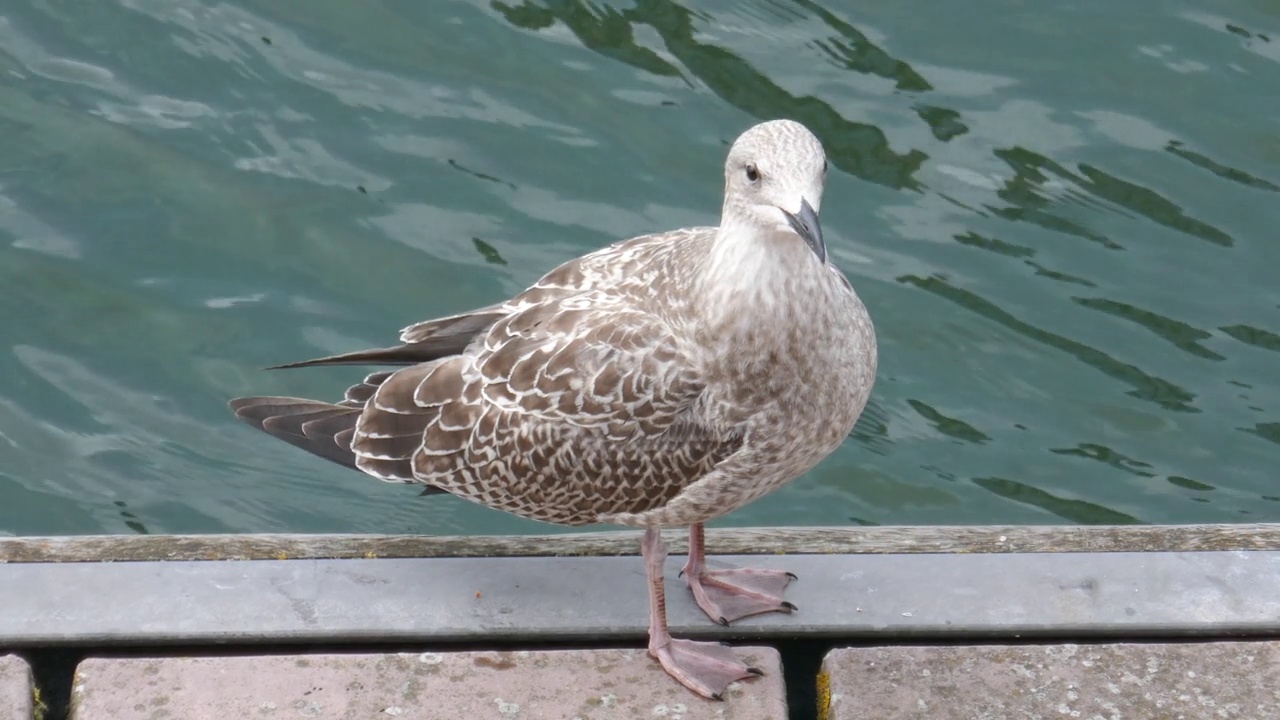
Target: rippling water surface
(1063,217)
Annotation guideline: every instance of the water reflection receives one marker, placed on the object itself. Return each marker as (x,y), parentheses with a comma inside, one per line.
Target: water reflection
(1145,386)
(1179,334)
(857,148)
(1063,509)
(1227,173)
(1106,455)
(1256,337)
(953,427)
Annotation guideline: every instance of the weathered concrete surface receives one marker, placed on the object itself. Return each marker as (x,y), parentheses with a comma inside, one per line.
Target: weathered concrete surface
(723,541)
(1186,681)
(15,688)
(567,684)
(505,600)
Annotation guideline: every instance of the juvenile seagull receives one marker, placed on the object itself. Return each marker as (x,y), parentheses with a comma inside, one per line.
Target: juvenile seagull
(661,381)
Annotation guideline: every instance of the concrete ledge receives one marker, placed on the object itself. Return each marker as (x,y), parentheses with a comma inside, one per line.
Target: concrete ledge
(270,594)
(728,541)
(423,686)
(441,600)
(15,689)
(1188,681)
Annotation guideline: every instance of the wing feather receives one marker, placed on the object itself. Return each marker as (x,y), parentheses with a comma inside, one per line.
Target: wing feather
(585,400)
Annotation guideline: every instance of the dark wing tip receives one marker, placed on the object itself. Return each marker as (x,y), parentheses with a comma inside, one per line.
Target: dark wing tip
(257,409)
(240,403)
(291,420)
(322,429)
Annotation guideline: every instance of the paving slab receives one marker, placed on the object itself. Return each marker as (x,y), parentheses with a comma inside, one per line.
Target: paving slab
(15,689)
(1122,681)
(568,684)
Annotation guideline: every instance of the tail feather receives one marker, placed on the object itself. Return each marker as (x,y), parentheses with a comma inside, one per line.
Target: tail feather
(286,419)
(328,429)
(344,437)
(295,423)
(320,428)
(331,425)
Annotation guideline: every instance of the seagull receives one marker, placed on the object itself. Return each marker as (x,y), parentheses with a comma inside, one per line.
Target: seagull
(662,381)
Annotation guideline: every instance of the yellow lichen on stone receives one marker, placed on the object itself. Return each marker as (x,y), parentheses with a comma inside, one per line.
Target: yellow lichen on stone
(38,704)
(824,695)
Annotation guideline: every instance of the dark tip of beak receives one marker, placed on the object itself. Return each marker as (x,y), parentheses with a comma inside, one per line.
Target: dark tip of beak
(806,225)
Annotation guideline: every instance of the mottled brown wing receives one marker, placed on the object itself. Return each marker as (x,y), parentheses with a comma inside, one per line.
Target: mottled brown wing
(569,409)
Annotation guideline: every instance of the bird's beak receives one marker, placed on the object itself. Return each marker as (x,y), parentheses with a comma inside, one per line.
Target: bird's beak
(806,225)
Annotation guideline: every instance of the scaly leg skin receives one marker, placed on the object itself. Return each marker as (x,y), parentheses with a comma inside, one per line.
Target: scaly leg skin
(704,667)
(728,595)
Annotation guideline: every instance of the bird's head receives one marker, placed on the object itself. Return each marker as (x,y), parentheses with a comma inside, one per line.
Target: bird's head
(774,178)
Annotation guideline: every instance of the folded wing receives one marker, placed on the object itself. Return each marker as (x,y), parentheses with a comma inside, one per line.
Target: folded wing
(564,411)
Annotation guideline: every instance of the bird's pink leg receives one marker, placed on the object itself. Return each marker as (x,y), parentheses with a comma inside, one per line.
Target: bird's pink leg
(706,668)
(727,595)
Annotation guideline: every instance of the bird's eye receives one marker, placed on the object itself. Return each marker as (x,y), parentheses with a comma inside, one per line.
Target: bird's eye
(753,174)
(824,167)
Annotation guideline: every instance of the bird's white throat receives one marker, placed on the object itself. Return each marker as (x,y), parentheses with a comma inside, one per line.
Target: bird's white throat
(751,273)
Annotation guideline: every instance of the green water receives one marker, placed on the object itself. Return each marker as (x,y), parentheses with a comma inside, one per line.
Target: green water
(1061,215)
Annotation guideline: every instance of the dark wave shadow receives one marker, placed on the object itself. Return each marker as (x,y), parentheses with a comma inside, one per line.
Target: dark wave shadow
(854,51)
(1223,171)
(1145,387)
(1032,170)
(601,29)
(1108,457)
(1133,466)
(1076,511)
(1267,431)
(1175,332)
(860,149)
(1027,201)
(488,252)
(1188,484)
(1257,337)
(949,426)
(1061,277)
(993,245)
(1149,204)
